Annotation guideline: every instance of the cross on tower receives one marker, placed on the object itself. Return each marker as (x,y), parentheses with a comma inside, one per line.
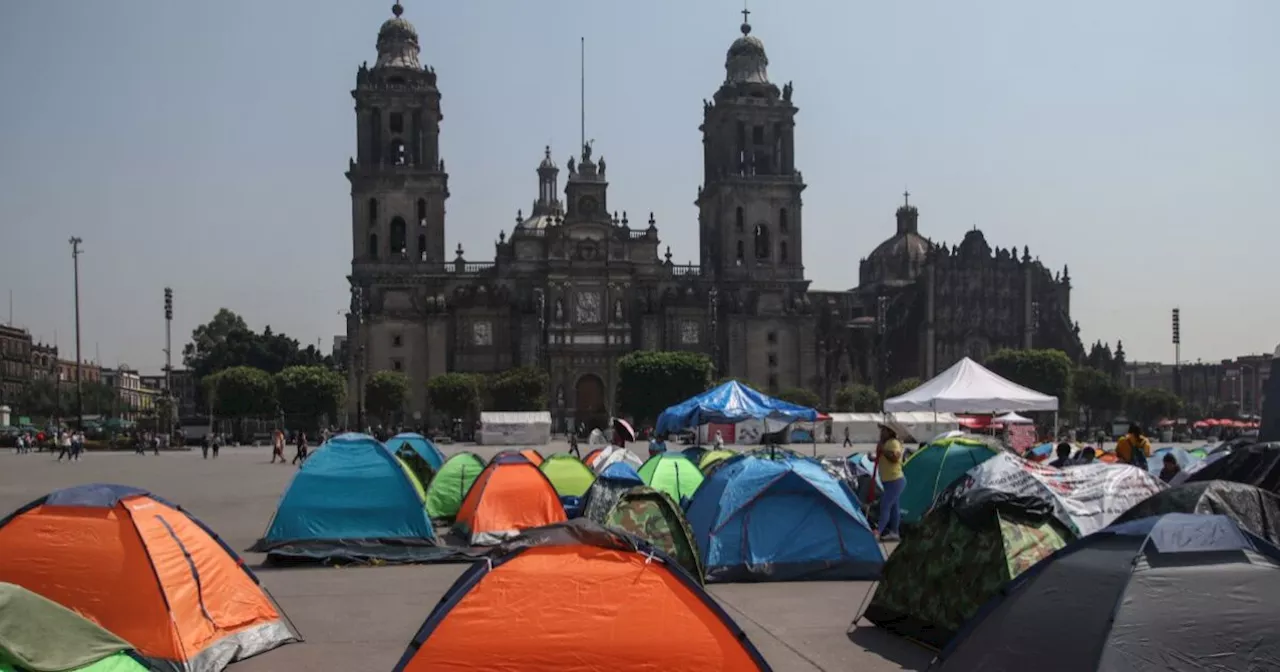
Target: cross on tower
(906,198)
(746,13)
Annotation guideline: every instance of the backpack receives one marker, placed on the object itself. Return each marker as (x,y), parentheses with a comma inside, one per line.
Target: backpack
(1137,456)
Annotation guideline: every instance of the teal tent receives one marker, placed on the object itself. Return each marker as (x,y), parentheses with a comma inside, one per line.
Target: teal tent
(931,469)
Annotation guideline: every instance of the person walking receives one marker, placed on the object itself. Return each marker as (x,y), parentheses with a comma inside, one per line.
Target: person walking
(217,443)
(301,456)
(889,462)
(77,445)
(848,443)
(573,445)
(205,441)
(1134,448)
(64,445)
(277,447)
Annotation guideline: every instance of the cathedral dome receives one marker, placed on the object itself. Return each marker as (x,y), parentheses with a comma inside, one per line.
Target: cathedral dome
(901,257)
(746,62)
(398,42)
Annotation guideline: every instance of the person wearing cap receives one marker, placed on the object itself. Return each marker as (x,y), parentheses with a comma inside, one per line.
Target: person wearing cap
(889,463)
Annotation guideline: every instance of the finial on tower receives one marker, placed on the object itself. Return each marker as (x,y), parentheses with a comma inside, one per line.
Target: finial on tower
(397,9)
(746,25)
(906,198)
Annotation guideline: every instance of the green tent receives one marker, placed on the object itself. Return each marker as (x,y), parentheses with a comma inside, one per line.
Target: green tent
(712,458)
(931,469)
(947,568)
(413,478)
(450,485)
(568,475)
(38,635)
(671,473)
(653,516)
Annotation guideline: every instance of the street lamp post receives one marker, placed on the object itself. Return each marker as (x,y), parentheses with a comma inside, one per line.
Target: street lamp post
(357,312)
(75,263)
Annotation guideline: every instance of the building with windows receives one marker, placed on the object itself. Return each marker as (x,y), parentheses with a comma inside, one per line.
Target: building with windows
(15,364)
(579,282)
(132,400)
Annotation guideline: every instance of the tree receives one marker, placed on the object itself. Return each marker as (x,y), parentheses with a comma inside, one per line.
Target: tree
(519,389)
(227,341)
(243,392)
(649,381)
(858,398)
(801,396)
(310,391)
(1097,391)
(1150,405)
(385,393)
(457,395)
(901,387)
(1045,371)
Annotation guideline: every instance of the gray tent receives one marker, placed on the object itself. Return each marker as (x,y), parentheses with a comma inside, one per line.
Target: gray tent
(1174,592)
(1253,509)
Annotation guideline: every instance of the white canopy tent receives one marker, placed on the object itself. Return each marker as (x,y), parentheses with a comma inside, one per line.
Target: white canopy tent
(514,428)
(969,387)
(1012,419)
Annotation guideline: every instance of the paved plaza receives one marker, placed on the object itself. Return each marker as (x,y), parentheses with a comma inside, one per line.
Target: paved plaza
(361,618)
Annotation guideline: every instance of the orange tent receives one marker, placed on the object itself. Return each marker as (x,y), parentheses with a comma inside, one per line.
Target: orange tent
(590,458)
(510,495)
(528,453)
(528,608)
(145,570)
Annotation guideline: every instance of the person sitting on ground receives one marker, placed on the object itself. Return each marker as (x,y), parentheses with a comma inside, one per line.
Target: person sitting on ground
(1064,455)
(1086,455)
(1170,468)
(1133,448)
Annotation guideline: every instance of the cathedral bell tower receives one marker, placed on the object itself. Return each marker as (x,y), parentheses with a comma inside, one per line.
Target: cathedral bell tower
(398,183)
(749,205)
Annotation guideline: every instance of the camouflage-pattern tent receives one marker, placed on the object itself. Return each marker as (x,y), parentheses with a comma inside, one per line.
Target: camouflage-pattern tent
(653,516)
(607,488)
(947,568)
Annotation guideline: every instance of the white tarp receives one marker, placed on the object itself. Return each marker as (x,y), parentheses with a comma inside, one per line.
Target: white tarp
(514,428)
(911,426)
(613,455)
(1012,419)
(968,387)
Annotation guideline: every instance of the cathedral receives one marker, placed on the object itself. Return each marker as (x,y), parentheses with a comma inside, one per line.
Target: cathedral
(577,284)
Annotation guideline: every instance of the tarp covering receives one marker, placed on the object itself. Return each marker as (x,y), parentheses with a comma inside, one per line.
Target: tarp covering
(509,496)
(787,519)
(1174,592)
(910,425)
(1084,498)
(450,485)
(146,571)
(671,473)
(511,428)
(568,474)
(607,489)
(350,498)
(731,402)
(1253,509)
(653,516)
(589,599)
(969,387)
(931,469)
(601,458)
(1257,465)
(39,635)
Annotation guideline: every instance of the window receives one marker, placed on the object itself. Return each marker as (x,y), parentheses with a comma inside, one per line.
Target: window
(757,135)
(782,251)
(373,211)
(373,246)
(397,122)
(772,337)
(422,247)
(783,224)
(742,134)
(773,383)
(773,360)
(397,341)
(741,255)
(762,242)
(398,235)
(399,155)
(739,221)
(422,212)
(397,365)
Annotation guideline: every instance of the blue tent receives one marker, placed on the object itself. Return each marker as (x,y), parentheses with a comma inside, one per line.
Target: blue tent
(420,445)
(787,519)
(730,403)
(352,499)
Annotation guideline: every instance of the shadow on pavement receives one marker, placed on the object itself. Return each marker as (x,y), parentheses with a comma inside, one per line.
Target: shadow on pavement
(891,647)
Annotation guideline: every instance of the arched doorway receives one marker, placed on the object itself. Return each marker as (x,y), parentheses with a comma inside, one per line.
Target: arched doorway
(589,403)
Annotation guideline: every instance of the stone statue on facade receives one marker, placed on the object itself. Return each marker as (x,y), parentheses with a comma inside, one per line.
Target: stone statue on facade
(571,165)
(617,310)
(602,166)
(559,310)
(786,92)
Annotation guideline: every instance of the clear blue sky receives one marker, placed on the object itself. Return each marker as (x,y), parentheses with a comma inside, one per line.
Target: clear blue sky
(202,145)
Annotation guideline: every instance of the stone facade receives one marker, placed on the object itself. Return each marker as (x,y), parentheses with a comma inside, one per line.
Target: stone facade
(577,284)
(15,364)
